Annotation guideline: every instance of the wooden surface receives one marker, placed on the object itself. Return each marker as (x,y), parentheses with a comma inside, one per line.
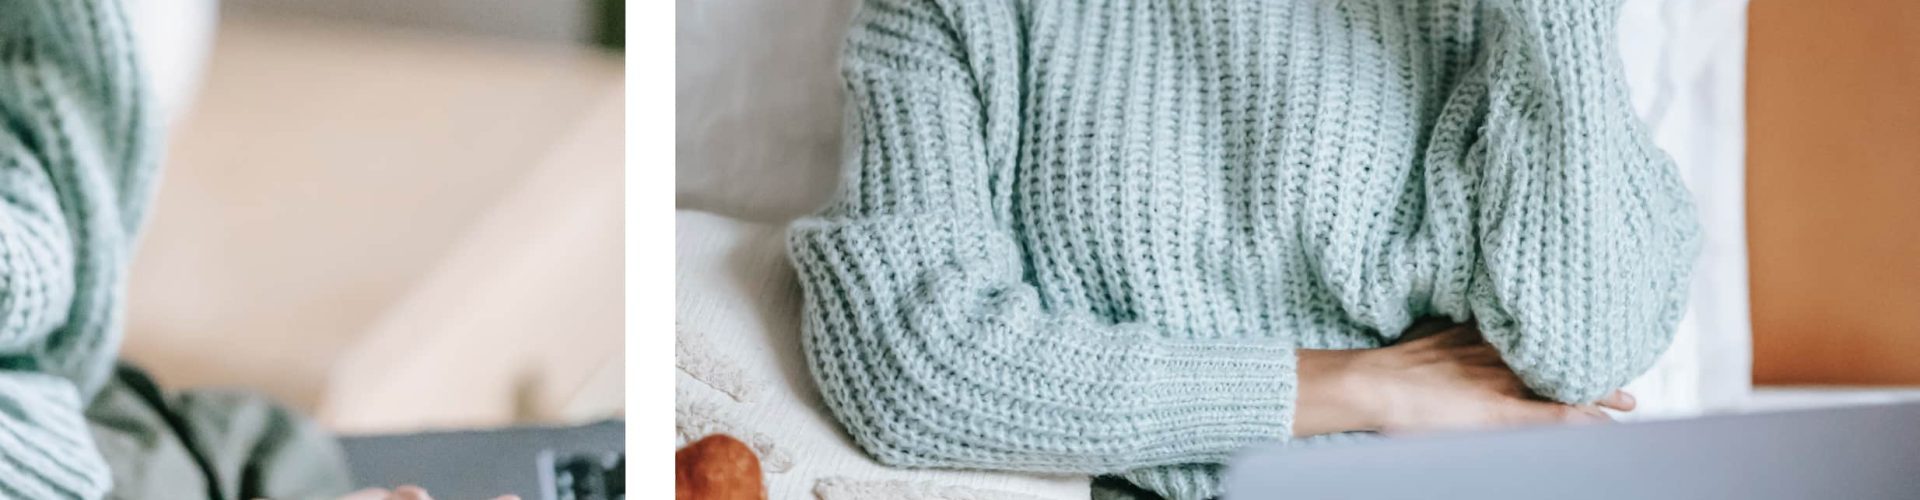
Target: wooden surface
(1833,194)
(326,180)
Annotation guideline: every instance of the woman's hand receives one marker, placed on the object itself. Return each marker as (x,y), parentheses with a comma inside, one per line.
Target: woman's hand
(408,492)
(1445,378)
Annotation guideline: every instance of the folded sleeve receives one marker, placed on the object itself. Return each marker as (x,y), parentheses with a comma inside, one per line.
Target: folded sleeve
(1586,234)
(928,341)
(71,142)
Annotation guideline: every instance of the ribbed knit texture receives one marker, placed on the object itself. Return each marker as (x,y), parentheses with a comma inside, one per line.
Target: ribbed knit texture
(1087,237)
(75,171)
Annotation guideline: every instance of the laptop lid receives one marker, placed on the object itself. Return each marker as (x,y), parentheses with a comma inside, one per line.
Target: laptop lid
(1868,452)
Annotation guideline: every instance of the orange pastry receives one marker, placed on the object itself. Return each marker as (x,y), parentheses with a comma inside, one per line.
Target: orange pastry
(717,467)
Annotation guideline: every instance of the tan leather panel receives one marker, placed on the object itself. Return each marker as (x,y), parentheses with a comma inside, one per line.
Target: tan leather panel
(1833,191)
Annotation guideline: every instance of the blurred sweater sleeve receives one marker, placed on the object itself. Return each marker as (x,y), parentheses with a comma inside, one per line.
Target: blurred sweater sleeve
(1586,233)
(71,144)
(927,341)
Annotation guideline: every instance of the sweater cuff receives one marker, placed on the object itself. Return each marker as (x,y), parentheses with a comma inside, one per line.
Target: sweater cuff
(1179,482)
(1235,391)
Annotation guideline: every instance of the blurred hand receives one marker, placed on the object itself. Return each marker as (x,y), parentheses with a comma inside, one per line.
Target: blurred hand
(408,492)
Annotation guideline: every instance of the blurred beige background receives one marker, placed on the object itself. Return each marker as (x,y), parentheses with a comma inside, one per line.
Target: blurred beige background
(392,229)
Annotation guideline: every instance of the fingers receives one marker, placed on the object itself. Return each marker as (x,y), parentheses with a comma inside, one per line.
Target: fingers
(1537,412)
(1617,401)
(1436,334)
(1460,335)
(409,492)
(368,494)
(1425,328)
(1499,380)
(1593,415)
(1480,354)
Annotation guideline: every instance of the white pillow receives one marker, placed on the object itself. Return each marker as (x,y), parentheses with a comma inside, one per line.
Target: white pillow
(742,373)
(757,105)
(1686,66)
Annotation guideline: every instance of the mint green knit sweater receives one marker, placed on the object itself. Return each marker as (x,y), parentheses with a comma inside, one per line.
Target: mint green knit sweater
(1087,237)
(75,172)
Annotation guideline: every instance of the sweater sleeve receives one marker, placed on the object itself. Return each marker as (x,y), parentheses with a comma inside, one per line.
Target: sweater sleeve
(1586,232)
(70,138)
(928,342)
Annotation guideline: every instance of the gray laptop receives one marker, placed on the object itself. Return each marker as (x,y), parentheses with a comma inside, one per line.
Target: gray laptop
(585,462)
(1864,452)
